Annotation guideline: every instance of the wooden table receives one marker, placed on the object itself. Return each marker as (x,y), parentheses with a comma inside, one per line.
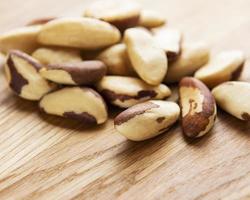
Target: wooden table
(45,157)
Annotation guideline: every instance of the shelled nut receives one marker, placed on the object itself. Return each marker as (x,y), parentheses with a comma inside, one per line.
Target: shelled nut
(147,120)
(193,56)
(78,73)
(169,40)
(51,55)
(23,76)
(198,108)
(117,60)
(122,14)
(85,33)
(127,91)
(223,67)
(233,97)
(148,60)
(24,39)
(80,103)
(151,19)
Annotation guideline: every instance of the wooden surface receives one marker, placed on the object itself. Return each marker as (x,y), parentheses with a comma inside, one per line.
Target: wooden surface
(45,157)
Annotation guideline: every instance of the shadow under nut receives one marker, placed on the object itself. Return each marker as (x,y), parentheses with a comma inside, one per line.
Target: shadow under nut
(82,73)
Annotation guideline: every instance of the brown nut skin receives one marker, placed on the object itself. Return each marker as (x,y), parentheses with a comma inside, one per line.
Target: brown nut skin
(123,13)
(40,21)
(233,97)
(24,39)
(147,120)
(79,73)
(125,92)
(198,107)
(79,103)
(23,77)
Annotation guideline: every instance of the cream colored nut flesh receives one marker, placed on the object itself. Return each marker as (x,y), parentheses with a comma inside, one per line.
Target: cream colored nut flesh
(24,39)
(233,97)
(198,107)
(193,56)
(223,67)
(57,55)
(2,59)
(23,77)
(123,13)
(151,19)
(117,60)
(148,60)
(77,73)
(147,120)
(127,91)
(169,40)
(84,33)
(79,103)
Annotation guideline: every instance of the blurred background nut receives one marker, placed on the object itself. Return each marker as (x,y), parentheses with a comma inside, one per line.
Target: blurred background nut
(117,60)
(174,93)
(78,73)
(127,91)
(40,21)
(169,40)
(198,108)
(221,68)
(54,55)
(233,97)
(23,77)
(149,61)
(123,13)
(193,56)
(147,120)
(79,32)
(24,39)
(151,19)
(79,103)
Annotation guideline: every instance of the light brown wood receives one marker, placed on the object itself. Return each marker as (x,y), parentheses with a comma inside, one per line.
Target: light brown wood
(45,157)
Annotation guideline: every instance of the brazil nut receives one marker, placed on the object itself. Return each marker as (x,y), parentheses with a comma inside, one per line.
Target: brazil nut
(147,120)
(127,91)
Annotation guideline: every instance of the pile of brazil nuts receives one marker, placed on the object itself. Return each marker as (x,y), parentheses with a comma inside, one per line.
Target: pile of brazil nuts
(122,55)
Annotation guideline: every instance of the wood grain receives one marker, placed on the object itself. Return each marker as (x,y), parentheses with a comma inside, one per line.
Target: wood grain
(45,157)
